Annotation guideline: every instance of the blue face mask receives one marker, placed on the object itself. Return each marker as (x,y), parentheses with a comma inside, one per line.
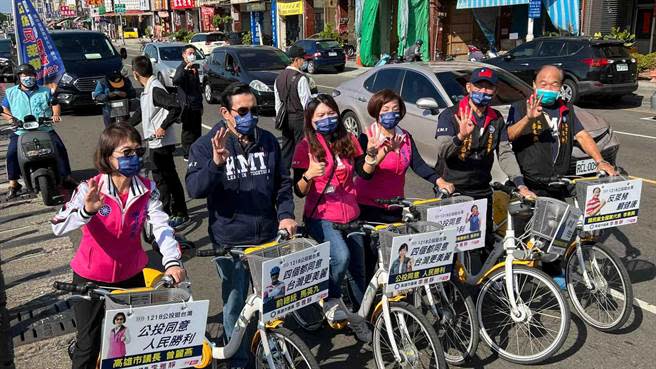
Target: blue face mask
(28,81)
(246,124)
(129,166)
(549,97)
(327,125)
(481,98)
(390,119)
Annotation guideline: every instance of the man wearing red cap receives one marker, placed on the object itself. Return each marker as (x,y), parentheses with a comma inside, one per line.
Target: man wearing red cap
(468,134)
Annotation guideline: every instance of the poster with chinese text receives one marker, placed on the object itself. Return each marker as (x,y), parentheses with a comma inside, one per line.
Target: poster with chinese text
(611,204)
(422,258)
(169,334)
(293,281)
(467,217)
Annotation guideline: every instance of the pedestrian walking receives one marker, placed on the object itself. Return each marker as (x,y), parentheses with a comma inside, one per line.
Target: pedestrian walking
(157,112)
(187,81)
(292,93)
(238,168)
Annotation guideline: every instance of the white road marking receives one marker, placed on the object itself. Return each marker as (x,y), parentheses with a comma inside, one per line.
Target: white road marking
(328,87)
(206,127)
(644,305)
(651,119)
(636,135)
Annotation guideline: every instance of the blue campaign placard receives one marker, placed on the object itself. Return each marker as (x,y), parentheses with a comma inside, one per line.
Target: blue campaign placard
(534,8)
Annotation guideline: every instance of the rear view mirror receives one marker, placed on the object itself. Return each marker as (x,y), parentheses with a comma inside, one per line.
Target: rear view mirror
(124,53)
(153,60)
(428,103)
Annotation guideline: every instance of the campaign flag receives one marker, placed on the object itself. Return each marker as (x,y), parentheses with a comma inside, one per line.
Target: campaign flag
(35,44)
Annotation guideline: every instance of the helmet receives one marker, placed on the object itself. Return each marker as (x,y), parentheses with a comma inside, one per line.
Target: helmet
(26,69)
(275,270)
(419,42)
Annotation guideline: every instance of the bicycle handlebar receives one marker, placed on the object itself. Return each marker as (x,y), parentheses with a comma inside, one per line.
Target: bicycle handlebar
(222,251)
(73,288)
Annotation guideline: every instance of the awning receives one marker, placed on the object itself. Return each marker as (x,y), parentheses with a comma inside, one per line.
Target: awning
(471,4)
(564,14)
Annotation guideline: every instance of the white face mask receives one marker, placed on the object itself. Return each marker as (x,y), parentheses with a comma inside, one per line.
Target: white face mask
(191,58)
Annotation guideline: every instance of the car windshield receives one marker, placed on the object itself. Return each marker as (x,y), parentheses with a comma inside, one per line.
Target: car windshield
(174,53)
(216,37)
(325,45)
(615,51)
(255,60)
(73,46)
(509,88)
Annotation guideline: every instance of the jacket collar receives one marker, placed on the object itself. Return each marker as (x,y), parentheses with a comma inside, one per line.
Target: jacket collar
(490,114)
(137,187)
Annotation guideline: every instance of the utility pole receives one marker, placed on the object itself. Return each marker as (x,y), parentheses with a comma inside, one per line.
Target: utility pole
(19,51)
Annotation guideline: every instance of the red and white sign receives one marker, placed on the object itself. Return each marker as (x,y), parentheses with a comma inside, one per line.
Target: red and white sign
(207,13)
(66,11)
(183,4)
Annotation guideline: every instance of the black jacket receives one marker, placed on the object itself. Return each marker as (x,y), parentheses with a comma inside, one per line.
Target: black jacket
(162,99)
(190,92)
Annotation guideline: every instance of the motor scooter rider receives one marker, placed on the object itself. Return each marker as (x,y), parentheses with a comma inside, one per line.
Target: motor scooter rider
(113,87)
(28,98)
(413,53)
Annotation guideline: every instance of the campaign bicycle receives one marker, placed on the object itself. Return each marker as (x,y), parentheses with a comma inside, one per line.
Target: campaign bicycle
(597,281)
(520,312)
(274,346)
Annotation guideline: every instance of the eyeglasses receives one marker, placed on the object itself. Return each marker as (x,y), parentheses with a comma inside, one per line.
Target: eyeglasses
(244,110)
(140,151)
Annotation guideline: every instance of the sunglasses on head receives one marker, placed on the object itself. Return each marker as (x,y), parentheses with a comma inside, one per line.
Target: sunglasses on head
(244,110)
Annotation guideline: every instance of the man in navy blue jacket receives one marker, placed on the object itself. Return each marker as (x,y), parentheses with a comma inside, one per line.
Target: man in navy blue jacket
(237,166)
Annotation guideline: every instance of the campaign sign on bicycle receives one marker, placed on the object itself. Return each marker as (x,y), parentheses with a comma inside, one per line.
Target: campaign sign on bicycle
(151,336)
(295,280)
(420,258)
(467,217)
(609,202)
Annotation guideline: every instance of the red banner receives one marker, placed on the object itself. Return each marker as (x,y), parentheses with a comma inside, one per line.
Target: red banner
(207,14)
(183,4)
(65,11)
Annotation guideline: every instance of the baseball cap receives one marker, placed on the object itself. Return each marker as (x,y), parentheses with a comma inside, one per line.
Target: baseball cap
(275,270)
(116,79)
(295,52)
(483,74)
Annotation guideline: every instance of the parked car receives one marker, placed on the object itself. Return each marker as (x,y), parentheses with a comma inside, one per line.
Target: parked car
(207,41)
(166,57)
(442,85)
(130,32)
(88,56)
(7,60)
(599,68)
(258,66)
(321,54)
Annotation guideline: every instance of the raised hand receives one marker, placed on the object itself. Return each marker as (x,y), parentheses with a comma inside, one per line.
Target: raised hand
(316,168)
(533,107)
(465,124)
(94,198)
(375,145)
(219,152)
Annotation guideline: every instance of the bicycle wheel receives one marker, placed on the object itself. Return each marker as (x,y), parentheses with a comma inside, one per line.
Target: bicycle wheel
(456,322)
(543,324)
(606,305)
(287,350)
(309,318)
(416,340)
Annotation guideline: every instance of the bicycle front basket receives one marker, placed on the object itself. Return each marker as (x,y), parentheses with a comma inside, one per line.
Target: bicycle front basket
(386,236)
(255,259)
(554,220)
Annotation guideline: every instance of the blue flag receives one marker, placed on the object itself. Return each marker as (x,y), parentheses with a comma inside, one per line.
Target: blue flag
(36,45)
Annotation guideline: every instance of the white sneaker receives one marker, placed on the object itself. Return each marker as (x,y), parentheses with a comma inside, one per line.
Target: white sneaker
(333,311)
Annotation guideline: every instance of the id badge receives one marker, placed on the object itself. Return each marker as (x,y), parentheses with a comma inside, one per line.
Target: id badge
(330,189)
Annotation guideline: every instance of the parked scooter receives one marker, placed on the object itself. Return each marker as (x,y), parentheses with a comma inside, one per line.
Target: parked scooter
(37,158)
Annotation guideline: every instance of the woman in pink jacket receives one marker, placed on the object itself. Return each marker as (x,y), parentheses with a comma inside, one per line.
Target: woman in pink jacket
(111,209)
(324,164)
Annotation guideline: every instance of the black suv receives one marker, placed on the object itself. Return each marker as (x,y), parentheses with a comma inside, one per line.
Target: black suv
(601,68)
(7,60)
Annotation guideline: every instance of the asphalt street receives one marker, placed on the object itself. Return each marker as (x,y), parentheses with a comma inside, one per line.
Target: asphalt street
(585,347)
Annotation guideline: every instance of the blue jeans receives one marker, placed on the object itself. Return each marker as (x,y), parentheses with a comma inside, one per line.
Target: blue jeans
(13,167)
(234,290)
(345,253)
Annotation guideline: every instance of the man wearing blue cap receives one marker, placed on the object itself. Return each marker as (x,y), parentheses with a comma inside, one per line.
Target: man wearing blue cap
(276,288)
(468,134)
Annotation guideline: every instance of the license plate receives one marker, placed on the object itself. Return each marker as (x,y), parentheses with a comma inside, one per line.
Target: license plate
(332,54)
(622,68)
(586,166)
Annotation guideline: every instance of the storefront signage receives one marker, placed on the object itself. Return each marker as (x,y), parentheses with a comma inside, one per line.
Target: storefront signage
(66,11)
(292,8)
(534,8)
(182,4)
(119,8)
(256,7)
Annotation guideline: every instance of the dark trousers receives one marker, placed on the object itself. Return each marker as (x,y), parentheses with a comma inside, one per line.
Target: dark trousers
(167,180)
(89,319)
(292,134)
(13,168)
(377,215)
(191,128)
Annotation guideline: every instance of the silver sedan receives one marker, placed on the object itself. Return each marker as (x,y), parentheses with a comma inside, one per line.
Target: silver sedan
(166,57)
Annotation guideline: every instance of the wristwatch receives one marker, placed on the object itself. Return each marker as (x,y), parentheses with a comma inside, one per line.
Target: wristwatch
(306,179)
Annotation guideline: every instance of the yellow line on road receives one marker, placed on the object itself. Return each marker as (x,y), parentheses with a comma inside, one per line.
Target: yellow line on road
(644,179)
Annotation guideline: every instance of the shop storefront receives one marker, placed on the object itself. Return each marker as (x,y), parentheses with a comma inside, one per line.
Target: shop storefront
(208,9)
(161,19)
(185,16)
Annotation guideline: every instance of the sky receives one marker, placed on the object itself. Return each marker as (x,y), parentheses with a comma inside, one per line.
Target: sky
(5,6)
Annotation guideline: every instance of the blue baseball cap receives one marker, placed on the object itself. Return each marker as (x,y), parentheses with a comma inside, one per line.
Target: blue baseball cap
(484,74)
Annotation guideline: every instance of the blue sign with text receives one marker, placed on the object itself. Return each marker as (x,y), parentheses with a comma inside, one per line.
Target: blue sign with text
(534,8)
